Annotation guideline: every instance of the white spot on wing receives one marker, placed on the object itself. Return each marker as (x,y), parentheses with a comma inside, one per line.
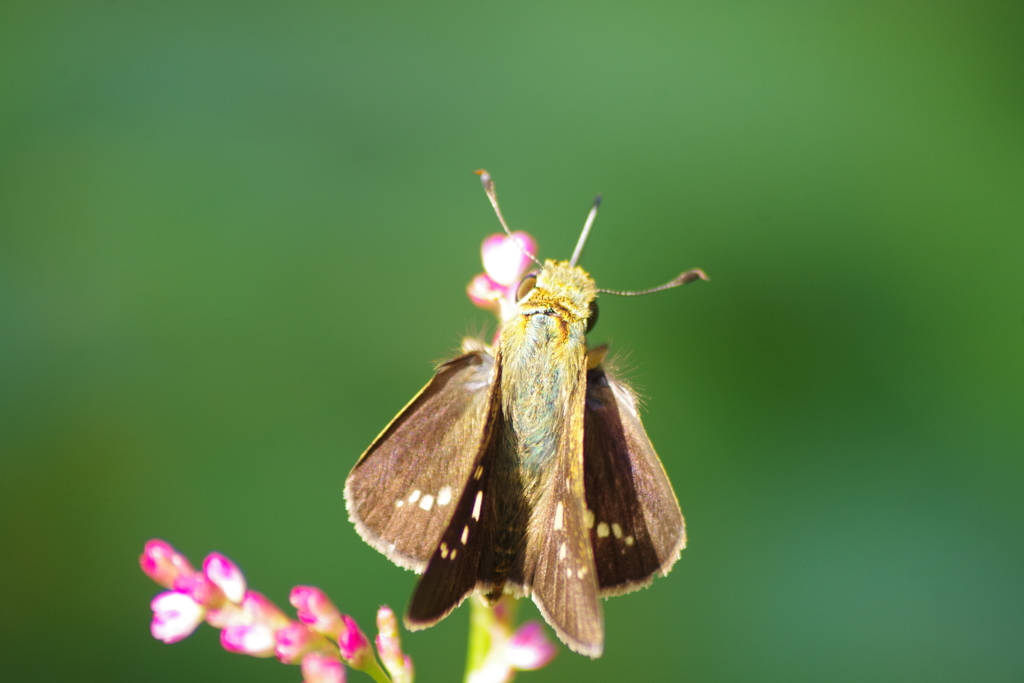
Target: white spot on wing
(454,550)
(558,516)
(465,534)
(588,518)
(602,530)
(561,552)
(629,540)
(617,530)
(580,573)
(444,549)
(444,496)
(568,571)
(427,502)
(399,503)
(476,505)
(414,496)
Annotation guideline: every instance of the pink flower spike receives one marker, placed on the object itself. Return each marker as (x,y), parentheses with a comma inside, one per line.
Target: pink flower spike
(316,610)
(175,616)
(318,667)
(505,262)
(226,575)
(295,641)
(390,648)
(486,293)
(163,563)
(355,648)
(529,648)
(256,640)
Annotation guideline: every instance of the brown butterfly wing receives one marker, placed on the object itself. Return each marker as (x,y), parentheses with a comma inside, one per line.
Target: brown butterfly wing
(637,529)
(464,559)
(403,491)
(564,581)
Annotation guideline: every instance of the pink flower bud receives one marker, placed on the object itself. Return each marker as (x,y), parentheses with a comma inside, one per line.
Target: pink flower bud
(256,640)
(390,648)
(295,641)
(529,648)
(200,589)
(486,293)
(387,625)
(316,610)
(505,262)
(318,667)
(228,615)
(163,564)
(405,674)
(262,611)
(175,616)
(226,575)
(355,648)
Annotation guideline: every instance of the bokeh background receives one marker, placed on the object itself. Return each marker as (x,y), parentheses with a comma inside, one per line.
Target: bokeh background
(234,237)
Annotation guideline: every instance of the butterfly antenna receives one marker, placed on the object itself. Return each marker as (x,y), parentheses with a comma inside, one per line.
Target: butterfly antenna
(586,231)
(685,278)
(488,184)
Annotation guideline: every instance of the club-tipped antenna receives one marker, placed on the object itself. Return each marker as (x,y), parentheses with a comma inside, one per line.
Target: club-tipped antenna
(686,278)
(488,184)
(586,231)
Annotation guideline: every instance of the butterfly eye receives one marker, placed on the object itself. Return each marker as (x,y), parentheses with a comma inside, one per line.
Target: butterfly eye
(592,320)
(526,285)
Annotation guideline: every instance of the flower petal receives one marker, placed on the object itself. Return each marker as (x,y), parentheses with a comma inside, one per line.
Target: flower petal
(226,575)
(295,641)
(163,563)
(256,640)
(504,261)
(318,667)
(228,615)
(261,610)
(354,646)
(494,670)
(175,616)
(529,648)
(486,293)
(198,587)
(316,610)
(389,647)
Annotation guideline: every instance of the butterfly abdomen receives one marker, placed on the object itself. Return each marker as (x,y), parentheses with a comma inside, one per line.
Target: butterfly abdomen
(532,394)
(543,355)
(511,514)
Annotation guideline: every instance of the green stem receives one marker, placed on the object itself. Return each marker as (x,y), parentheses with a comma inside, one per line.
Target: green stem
(480,619)
(376,673)
(487,622)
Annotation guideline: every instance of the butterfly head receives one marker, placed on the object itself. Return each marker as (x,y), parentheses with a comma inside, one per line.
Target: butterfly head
(560,289)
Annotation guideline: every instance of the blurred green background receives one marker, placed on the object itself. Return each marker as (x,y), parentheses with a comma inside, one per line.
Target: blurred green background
(235,236)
